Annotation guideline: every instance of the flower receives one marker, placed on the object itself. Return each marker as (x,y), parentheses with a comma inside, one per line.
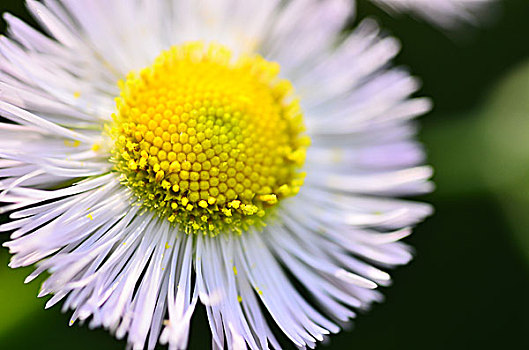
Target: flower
(165,153)
(447,14)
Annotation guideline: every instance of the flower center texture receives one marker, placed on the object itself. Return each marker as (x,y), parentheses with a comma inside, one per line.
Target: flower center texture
(210,142)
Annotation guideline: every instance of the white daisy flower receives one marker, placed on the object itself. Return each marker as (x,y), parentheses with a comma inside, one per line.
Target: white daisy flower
(447,14)
(169,152)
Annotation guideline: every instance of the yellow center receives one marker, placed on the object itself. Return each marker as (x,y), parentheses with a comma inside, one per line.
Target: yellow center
(210,142)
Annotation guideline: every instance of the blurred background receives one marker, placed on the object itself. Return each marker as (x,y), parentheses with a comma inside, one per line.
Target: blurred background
(468,286)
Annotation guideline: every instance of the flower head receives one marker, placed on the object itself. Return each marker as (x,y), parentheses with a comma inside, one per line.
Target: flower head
(166,153)
(211,143)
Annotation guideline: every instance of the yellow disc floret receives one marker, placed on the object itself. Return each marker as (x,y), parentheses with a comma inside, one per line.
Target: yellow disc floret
(208,141)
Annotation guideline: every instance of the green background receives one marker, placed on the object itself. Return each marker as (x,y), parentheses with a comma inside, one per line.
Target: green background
(468,286)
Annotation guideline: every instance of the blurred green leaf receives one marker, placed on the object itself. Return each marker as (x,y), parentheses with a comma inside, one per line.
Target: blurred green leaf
(18,301)
(504,129)
(488,150)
